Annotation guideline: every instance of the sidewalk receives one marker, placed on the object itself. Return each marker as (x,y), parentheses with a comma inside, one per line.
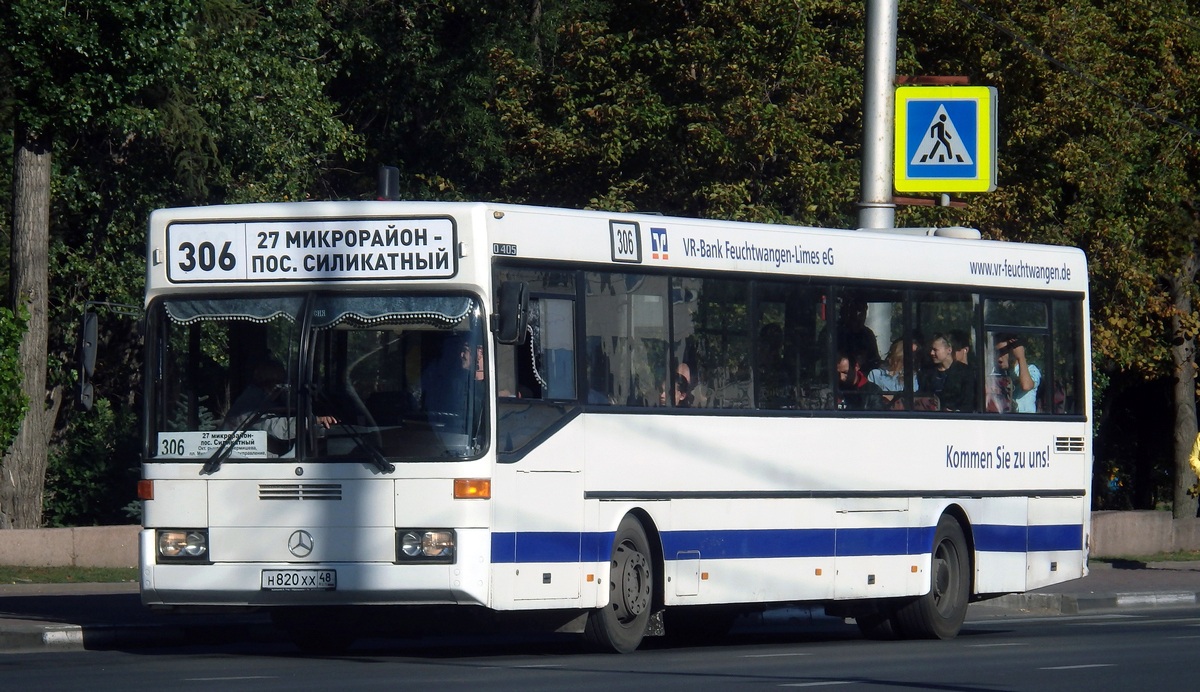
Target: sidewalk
(1108,586)
(39,617)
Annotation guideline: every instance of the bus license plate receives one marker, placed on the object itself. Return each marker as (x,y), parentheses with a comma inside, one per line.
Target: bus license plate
(299,580)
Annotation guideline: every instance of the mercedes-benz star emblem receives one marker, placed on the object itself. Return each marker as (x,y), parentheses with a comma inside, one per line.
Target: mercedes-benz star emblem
(300,543)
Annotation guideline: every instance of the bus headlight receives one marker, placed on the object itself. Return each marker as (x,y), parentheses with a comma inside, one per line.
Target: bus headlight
(183,545)
(425,545)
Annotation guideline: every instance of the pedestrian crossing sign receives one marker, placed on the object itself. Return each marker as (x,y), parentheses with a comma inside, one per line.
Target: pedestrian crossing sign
(945,139)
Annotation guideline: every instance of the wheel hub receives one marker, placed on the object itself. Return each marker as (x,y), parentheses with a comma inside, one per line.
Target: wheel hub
(633,570)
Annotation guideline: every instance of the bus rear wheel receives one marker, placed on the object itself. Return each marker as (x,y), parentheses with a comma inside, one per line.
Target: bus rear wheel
(939,614)
(621,625)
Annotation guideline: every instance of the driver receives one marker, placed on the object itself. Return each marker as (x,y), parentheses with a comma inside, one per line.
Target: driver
(267,388)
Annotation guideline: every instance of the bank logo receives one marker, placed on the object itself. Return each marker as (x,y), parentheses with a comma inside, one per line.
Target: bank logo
(658,243)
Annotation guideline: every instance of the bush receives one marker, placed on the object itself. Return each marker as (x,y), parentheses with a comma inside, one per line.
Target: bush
(92,476)
(12,400)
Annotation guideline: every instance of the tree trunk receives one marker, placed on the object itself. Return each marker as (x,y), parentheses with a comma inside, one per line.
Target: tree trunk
(1183,355)
(23,472)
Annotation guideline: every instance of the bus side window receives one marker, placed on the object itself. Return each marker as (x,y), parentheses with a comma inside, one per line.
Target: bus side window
(1063,392)
(543,366)
(627,344)
(720,339)
(516,373)
(555,347)
(1023,343)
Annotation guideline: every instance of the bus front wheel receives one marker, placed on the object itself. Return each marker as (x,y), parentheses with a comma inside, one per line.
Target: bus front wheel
(620,625)
(939,614)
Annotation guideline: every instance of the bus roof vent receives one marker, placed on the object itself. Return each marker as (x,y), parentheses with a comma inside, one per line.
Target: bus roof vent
(958,232)
(930,231)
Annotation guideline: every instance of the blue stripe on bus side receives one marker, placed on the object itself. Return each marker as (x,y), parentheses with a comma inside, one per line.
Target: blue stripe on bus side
(551,546)
(738,544)
(1020,539)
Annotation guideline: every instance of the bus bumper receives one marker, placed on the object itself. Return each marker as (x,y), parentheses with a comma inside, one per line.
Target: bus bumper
(241,584)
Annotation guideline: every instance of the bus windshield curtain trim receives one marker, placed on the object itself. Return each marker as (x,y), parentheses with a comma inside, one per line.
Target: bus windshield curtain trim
(261,310)
(376,309)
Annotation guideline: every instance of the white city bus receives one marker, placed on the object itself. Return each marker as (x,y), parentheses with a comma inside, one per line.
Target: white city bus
(626,424)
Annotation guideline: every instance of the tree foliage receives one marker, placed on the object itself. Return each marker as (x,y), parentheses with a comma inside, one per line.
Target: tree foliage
(721,108)
(12,401)
(153,104)
(90,480)
(1100,145)
(736,109)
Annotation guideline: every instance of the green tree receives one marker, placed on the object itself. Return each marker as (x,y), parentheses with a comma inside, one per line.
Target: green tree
(12,400)
(737,109)
(127,107)
(414,81)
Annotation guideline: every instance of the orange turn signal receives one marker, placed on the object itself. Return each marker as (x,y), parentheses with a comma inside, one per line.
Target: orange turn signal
(472,489)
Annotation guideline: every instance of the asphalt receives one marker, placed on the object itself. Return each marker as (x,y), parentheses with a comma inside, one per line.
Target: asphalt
(57,617)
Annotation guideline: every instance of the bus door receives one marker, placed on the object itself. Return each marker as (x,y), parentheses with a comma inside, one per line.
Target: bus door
(539,453)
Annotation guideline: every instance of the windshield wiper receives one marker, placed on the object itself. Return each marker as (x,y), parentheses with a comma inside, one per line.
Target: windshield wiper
(222,453)
(377,459)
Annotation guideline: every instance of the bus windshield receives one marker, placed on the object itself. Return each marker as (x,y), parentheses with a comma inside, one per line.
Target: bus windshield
(334,377)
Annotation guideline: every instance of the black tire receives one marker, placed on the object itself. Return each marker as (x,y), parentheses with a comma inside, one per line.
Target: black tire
(620,626)
(939,614)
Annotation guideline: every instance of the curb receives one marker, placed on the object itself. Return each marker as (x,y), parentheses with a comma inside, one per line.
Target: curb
(1072,604)
(79,638)
(25,638)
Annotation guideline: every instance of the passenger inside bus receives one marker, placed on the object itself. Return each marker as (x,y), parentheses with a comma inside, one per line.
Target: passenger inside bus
(961,343)
(681,388)
(444,383)
(854,337)
(948,379)
(855,391)
(889,376)
(1014,386)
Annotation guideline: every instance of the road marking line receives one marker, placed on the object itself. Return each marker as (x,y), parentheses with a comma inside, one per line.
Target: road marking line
(1191,622)
(825,683)
(1085,665)
(990,646)
(774,655)
(241,677)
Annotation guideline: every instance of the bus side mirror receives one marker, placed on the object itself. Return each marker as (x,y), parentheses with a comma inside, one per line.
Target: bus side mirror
(512,312)
(88,330)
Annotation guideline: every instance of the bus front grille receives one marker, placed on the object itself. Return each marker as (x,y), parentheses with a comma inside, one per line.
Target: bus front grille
(300,491)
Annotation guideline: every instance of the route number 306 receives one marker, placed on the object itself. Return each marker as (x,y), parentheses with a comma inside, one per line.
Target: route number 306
(625,245)
(206,257)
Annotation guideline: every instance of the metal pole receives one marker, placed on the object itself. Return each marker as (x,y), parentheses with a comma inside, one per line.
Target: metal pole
(877,210)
